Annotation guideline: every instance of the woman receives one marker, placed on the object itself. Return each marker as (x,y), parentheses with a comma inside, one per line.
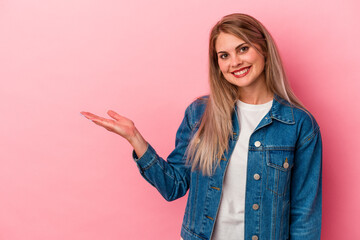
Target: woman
(249,153)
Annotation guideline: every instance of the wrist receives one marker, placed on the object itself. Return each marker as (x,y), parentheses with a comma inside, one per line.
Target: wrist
(138,143)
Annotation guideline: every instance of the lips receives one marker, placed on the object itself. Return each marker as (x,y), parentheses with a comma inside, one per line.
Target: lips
(241,72)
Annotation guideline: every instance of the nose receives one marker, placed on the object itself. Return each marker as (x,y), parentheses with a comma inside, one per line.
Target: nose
(236,61)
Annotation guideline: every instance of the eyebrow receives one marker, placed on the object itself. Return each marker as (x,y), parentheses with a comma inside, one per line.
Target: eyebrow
(239,46)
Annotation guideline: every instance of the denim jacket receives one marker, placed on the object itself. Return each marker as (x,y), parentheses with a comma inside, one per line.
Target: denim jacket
(285,150)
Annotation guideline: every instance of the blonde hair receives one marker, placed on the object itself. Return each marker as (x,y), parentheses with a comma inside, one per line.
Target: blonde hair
(211,139)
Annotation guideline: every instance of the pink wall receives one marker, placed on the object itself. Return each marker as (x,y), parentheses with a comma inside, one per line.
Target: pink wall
(61,177)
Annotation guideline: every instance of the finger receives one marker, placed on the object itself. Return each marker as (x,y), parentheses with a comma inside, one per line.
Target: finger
(88,115)
(84,114)
(91,116)
(104,125)
(108,124)
(114,115)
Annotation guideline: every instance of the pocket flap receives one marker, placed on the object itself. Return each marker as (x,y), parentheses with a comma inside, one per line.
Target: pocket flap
(282,160)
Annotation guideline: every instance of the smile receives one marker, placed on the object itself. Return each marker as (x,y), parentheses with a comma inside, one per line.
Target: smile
(241,72)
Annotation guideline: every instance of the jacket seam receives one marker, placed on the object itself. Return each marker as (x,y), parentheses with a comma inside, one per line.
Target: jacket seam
(192,233)
(274,222)
(195,200)
(150,164)
(309,137)
(163,169)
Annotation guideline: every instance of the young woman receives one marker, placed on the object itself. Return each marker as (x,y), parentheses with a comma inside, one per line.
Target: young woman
(250,154)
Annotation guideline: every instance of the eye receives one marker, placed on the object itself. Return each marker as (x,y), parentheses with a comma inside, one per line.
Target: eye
(224,56)
(243,49)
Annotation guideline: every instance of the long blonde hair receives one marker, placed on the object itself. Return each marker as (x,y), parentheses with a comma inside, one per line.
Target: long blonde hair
(211,139)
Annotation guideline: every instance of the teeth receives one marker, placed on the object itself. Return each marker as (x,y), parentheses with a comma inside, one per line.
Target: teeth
(241,72)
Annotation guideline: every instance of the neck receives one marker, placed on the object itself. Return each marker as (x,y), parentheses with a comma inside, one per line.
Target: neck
(256,93)
(255,97)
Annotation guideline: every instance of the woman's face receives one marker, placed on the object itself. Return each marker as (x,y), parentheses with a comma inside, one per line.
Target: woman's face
(240,63)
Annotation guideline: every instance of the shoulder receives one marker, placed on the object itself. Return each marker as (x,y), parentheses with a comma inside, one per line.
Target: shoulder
(288,113)
(199,103)
(306,124)
(305,119)
(196,109)
(301,120)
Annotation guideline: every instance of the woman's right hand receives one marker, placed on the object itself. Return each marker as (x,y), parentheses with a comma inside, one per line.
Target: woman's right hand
(121,126)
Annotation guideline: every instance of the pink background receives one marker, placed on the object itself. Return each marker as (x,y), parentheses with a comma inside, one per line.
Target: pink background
(62,177)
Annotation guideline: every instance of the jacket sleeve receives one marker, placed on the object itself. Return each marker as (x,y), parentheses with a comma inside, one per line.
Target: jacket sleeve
(171,178)
(306,187)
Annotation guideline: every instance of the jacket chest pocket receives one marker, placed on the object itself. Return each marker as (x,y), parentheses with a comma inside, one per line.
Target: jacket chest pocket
(279,164)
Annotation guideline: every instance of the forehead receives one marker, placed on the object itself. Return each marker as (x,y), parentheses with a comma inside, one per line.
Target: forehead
(226,42)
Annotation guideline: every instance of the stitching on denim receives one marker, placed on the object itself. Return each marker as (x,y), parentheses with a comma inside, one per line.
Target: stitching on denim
(207,202)
(279,117)
(277,181)
(195,199)
(282,224)
(189,120)
(187,212)
(280,148)
(279,167)
(152,162)
(302,232)
(192,233)
(283,148)
(261,194)
(275,193)
(166,172)
(271,190)
(302,208)
(278,170)
(186,118)
(309,137)
(274,218)
(192,108)
(288,178)
(286,121)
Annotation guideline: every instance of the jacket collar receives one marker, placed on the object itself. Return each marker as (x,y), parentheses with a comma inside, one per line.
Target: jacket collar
(282,110)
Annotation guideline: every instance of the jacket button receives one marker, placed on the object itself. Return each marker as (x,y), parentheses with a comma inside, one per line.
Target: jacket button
(256,176)
(254,237)
(255,206)
(257,144)
(286,165)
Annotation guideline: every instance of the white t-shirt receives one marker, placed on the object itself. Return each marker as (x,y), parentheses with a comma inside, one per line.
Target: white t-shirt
(229,223)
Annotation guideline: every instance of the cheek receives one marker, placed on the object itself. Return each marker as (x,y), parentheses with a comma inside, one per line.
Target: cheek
(258,61)
(254,57)
(223,67)
(261,63)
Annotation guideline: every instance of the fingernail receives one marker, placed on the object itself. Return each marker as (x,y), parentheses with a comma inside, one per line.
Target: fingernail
(85,117)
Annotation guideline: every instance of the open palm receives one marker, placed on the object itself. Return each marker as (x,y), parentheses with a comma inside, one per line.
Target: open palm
(122,126)
(119,124)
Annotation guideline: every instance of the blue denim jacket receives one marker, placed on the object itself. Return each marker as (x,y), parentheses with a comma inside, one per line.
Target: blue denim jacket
(285,150)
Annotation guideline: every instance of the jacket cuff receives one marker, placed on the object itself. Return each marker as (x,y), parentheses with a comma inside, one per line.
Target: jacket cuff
(148,159)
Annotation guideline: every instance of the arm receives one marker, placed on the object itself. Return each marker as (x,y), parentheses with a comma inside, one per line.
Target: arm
(121,126)
(306,188)
(171,178)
